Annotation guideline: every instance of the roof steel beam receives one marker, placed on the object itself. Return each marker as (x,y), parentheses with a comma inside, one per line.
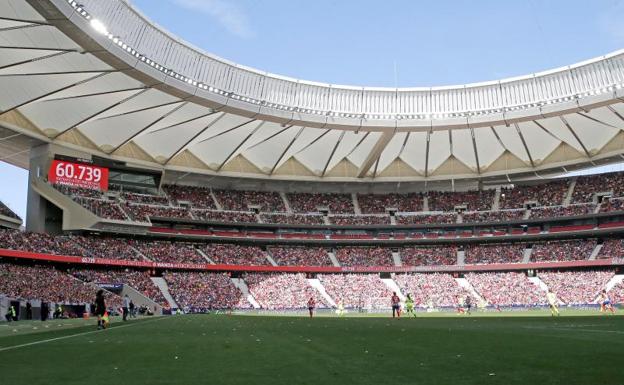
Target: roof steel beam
(375,153)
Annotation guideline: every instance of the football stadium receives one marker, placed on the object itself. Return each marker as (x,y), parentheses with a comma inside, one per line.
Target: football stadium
(192,220)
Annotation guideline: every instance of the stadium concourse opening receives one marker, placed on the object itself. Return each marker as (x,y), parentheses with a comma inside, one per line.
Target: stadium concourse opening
(190,219)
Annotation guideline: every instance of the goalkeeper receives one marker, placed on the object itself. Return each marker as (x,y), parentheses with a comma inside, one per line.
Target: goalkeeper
(409,306)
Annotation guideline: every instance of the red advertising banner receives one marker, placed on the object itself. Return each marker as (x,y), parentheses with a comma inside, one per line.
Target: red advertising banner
(79,175)
(310,269)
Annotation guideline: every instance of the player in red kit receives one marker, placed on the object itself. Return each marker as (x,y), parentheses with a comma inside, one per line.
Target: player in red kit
(396,305)
(311,306)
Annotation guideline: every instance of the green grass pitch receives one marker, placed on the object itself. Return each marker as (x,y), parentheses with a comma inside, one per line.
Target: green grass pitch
(508,348)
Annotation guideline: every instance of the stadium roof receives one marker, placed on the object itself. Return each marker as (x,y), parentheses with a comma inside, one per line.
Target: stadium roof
(100,77)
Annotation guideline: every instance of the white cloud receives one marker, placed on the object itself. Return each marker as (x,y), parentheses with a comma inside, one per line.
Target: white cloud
(228,14)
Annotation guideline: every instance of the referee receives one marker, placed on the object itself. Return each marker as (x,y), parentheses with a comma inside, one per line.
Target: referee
(100,308)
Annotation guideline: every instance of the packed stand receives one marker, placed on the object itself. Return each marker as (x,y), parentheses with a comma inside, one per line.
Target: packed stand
(611,248)
(106,247)
(279,291)
(378,203)
(300,256)
(39,242)
(238,200)
(613,204)
(146,199)
(141,213)
(359,220)
(48,284)
(426,219)
(103,208)
(493,216)
(481,200)
(431,290)
(230,254)
(292,219)
(7,212)
(199,291)
(587,186)
(576,250)
(310,202)
(545,194)
(507,289)
(198,197)
(139,280)
(429,256)
(168,252)
(364,256)
(562,211)
(576,287)
(357,291)
(73,191)
(493,253)
(617,293)
(225,216)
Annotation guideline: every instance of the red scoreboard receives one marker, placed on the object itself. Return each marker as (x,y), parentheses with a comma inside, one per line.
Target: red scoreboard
(78,174)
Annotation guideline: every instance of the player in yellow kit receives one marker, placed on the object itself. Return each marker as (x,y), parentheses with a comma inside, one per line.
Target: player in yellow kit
(409,306)
(552,302)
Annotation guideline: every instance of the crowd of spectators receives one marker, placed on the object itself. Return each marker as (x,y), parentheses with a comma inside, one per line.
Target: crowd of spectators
(146,199)
(574,250)
(481,200)
(46,283)
(359,220)
(292,219)
(7,212)
(231,254)
(378,203)
(492,216)
(279,291)
(225,216)
(311,202)
(364,256)
(545,194)
(614,204)
(576,287)
(493,253)
(357,291)
(168,251)
(431,290)
(198,197)
(106,247)
(73,191)
(611,248)
(238,200)
(617,293)
(562,211)
(587,186)
(39,243)
(507,289)
(141,212)
(137,279)
(300,256)
(103,208)
(428,256)
(426,219)
(197,291)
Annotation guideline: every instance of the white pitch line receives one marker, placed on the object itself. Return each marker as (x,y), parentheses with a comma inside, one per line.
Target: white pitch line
(572,329)
(76,335)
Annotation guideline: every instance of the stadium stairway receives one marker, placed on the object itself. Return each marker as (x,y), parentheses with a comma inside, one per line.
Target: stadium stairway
(393,287)
(316,283)
(463,282)
(139,299)
(333,258)
(461,257)
(216,201)
(595,252)
(393,221)
(568,197)
(615,280)
(496,203)
(242,286)
(356,204)
(425,203)
(527,214)
(140,254)
(269,258)
(286,202)
(164,289)
(206,257)
(396,258)
(526,255)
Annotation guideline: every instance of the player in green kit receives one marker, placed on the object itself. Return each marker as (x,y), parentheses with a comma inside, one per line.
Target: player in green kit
(409,306)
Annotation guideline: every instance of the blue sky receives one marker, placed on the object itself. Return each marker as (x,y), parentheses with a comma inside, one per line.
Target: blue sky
(361,42)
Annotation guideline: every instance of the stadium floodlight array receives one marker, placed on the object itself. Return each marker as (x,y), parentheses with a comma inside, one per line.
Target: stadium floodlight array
(99,27)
